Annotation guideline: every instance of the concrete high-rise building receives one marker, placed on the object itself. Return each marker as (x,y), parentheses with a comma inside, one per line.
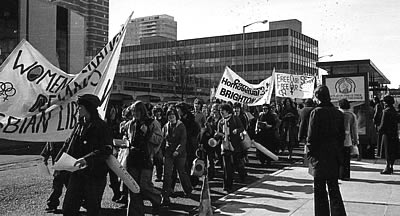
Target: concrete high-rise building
(96,14)
(58,33)
(151,29)
(199,63)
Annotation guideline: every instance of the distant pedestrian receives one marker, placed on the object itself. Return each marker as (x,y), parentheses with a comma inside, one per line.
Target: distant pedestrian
(388,129)
(289,116)
(325,138)
(351,137)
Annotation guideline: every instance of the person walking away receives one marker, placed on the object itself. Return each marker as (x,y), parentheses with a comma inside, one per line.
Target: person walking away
(193,130)
(140,159)
(388,129)
(174,133)
(351,137)
(325,143)
(378,111)
(229,129)
(60,177)
(304,117)
(91,143)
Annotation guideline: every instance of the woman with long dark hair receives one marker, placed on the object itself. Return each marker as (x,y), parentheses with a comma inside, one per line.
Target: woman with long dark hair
(140,159)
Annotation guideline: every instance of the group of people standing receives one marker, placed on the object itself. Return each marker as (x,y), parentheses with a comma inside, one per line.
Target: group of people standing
(170,137)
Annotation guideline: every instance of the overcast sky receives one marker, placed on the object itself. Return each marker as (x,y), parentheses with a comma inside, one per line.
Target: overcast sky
(348,29)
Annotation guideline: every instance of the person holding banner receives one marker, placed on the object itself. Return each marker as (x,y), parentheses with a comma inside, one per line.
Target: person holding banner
(229,129)
(90,142)
(325,139)
(289,116)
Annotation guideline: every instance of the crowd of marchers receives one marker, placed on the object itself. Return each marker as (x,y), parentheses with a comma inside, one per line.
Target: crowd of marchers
(168,138)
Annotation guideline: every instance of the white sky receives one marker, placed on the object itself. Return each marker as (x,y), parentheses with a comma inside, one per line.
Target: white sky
(348,29)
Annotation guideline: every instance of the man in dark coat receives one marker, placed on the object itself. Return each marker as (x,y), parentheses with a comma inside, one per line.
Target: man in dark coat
(325,142)
(388,131)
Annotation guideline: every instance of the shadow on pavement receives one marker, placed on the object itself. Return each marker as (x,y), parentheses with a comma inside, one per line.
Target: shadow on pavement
(239,208)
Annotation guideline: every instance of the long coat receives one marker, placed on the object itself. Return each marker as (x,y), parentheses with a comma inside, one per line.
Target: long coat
(325,137)
(388,129)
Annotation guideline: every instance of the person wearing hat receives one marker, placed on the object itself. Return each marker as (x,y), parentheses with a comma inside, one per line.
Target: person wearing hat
(91,143)
(325,140)
(388,131)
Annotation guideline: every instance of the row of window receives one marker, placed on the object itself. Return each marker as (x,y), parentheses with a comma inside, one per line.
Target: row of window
(225,38)
(208,55)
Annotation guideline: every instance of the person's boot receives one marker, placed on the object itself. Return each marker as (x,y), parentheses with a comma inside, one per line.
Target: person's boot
(386,171)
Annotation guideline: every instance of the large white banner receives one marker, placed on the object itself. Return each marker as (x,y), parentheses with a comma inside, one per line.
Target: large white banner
(352,88)
(38,100)
(294,86)
(235,89)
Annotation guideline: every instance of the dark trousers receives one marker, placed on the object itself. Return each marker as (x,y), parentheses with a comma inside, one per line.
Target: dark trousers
(114,183)
(344,170)
(144,178)
(159,164)
(233,161)
(180,164)
(83,187)
(59,181)
(335,204)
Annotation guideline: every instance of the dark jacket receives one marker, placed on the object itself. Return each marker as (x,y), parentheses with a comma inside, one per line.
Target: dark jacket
(304,117)
(325,141)
(389,129)
(93,142)
(235,139)
(175,138)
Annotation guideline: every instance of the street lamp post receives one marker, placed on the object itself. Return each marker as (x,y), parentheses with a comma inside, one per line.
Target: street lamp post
(243,38)
(319,75)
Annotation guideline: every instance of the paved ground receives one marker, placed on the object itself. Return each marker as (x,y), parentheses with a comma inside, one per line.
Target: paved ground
(290,192)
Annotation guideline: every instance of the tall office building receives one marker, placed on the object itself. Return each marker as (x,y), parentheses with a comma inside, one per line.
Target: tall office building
(200,62)
(96,14)
(151,29)
(58,33)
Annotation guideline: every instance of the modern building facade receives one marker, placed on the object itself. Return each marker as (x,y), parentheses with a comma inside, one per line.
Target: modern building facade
(96,14)
(194,66)
(58,33)
(151,29)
